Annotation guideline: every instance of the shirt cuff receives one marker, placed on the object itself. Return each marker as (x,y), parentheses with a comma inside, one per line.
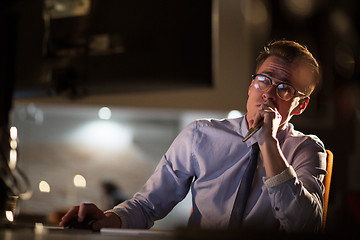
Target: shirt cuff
(122,219)
(286,175)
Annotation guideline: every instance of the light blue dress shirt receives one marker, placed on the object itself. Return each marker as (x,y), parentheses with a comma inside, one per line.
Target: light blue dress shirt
(209,158)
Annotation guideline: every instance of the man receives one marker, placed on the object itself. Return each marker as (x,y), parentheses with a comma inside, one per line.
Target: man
(210,158)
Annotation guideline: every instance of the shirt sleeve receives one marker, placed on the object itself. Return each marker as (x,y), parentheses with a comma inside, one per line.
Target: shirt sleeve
(281,178)
(168,185)
(296,194)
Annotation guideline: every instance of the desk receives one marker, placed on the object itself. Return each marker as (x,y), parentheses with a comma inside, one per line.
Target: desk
(70,234)
(180,234)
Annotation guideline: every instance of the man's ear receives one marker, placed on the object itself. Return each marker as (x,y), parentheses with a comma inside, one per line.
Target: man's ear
(249,89)
(302,105)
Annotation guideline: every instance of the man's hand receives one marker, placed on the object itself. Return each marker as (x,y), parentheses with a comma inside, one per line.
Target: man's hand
(89,210)
(271,120)
(274,160)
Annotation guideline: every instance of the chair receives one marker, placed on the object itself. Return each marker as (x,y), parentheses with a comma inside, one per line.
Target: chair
(326,182)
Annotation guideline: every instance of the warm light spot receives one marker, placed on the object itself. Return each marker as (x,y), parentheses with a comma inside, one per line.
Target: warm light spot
(9,216)
(13,133)
(104,113)
(39,228)
(44,186)
(13,144)
(79,181)
(340,22)
(301,8)
(255,12)
(234,114)
(12,159)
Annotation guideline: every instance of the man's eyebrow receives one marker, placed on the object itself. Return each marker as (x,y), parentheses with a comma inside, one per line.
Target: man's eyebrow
(271,75)
(267,73)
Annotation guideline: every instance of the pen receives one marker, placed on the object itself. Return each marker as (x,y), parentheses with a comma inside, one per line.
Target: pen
(252,131)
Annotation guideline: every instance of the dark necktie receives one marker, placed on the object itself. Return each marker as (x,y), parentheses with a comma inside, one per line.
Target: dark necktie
(244,190)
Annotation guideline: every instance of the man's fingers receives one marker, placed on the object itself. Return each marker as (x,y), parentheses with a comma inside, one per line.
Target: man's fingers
(69,216)
(86,212)
(82,212)
(89,210)
(259,118)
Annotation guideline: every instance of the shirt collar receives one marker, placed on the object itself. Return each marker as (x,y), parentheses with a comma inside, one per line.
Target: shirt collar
(244,128)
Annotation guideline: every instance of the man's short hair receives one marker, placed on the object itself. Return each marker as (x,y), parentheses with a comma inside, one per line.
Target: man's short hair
(291,51)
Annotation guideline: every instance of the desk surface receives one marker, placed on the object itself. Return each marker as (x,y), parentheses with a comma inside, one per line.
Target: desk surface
(180,234)
(67,234)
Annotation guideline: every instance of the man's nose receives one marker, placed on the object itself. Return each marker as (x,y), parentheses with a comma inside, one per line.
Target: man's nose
(270,93)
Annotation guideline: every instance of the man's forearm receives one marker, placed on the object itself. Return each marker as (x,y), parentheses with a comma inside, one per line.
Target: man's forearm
(274,160)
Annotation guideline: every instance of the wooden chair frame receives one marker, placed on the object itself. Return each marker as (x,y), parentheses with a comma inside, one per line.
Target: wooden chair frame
(326,182)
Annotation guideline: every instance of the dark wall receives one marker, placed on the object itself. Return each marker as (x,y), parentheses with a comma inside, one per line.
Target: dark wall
(331,32)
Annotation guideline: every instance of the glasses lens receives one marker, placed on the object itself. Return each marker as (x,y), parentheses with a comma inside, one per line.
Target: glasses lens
(285,91)
(262,82)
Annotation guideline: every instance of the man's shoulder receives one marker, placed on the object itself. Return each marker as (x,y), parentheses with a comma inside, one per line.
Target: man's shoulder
(302,138)
(225,123)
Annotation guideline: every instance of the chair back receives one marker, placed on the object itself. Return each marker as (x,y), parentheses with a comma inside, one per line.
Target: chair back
(326,182)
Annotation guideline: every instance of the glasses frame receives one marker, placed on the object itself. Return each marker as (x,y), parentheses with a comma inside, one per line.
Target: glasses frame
(296,93)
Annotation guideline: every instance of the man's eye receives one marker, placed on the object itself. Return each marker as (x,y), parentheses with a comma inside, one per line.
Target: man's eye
(284,88)
(263,80)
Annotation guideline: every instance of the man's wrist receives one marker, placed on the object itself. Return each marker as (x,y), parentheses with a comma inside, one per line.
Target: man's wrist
(114,219)
(274,160)
(269,141)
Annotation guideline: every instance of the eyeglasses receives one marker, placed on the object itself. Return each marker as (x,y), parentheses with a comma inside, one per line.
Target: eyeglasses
(284,90)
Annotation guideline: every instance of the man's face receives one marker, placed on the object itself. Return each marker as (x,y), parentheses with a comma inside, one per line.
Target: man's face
(296,73)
